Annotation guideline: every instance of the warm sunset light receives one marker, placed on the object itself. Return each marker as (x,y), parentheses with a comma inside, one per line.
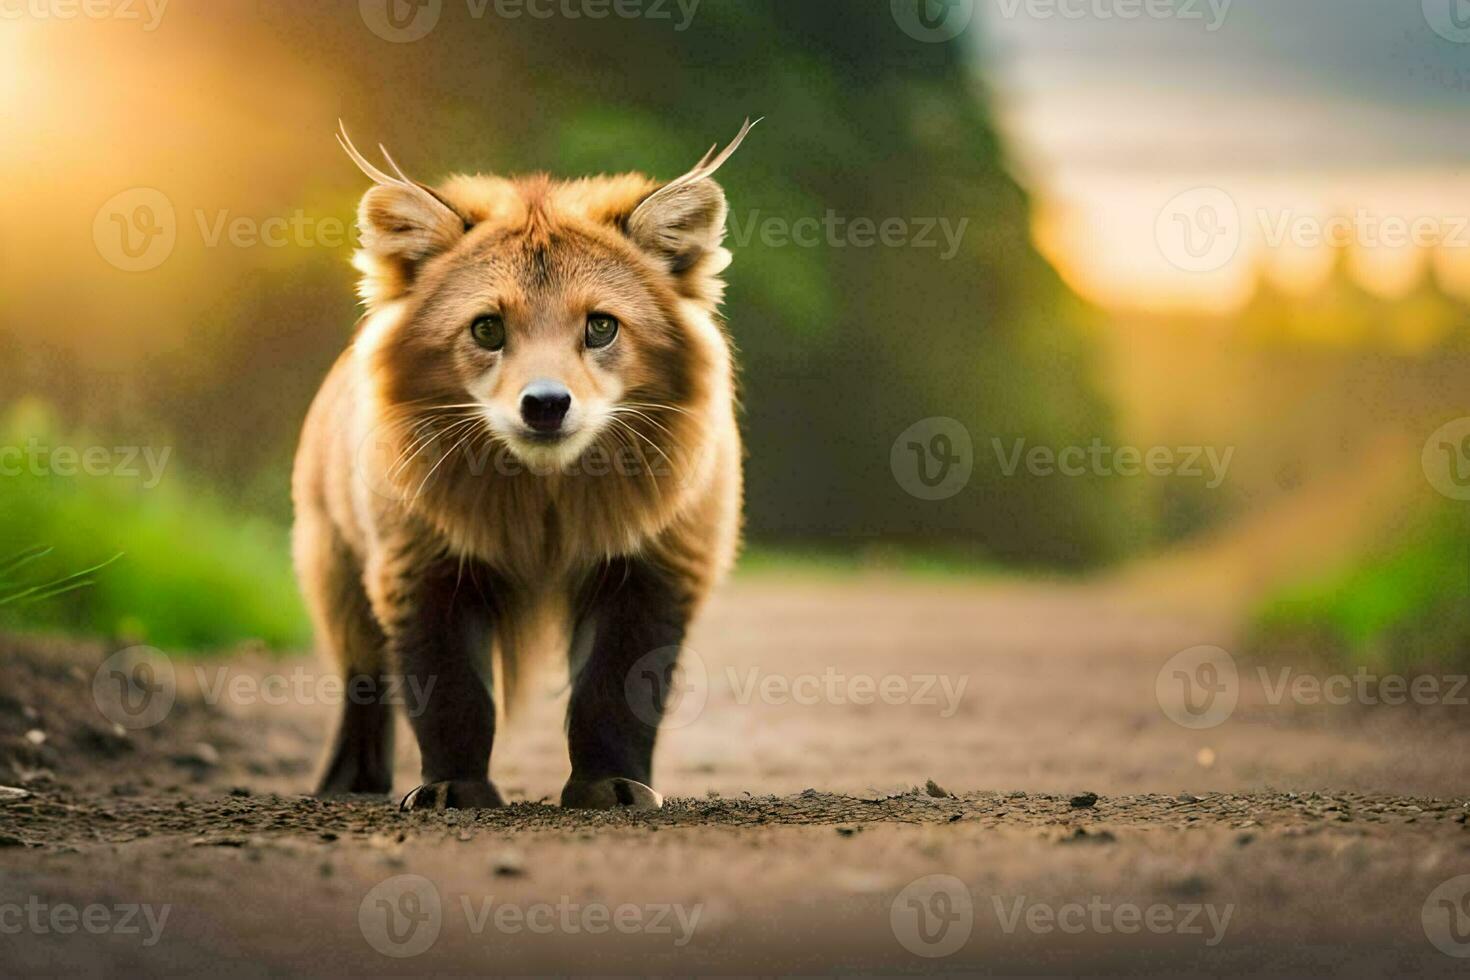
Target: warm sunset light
(1119,166)
(1104,237)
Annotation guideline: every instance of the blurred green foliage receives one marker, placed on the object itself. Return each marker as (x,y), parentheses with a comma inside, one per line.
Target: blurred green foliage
(1401,607)
(843,345)
(194,572)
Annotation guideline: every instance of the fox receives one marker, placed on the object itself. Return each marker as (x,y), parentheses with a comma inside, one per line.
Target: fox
(532,432)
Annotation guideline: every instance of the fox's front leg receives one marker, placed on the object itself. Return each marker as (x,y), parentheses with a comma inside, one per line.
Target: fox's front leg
(439,631)
(618,697)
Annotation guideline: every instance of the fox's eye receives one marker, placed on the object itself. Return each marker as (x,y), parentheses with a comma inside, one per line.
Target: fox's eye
(601,329)
(488,331)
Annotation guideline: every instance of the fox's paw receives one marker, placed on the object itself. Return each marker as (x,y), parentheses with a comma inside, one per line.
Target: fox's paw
(454,794)
(610,794)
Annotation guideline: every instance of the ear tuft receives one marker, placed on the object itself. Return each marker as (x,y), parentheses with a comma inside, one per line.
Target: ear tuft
(402,223)
(683,222)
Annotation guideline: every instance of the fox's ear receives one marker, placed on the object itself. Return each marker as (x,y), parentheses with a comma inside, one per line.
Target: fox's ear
(683,222)
(401,223)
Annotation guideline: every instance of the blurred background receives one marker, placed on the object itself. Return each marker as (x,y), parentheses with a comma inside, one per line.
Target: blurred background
(1176,293)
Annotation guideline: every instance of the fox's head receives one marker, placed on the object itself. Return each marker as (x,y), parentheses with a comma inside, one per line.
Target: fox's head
(543,318)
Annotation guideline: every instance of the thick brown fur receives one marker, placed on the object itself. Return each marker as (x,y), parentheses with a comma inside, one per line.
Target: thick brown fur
(427,521)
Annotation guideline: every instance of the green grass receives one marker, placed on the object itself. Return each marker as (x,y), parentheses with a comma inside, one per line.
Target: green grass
(1402,607)
(17,589)
(192,574)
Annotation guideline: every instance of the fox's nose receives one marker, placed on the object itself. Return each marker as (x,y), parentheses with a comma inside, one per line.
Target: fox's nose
(544,405)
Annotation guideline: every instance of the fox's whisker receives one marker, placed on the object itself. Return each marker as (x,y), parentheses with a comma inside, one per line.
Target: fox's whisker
(651,444)
(650,420)
(432,470)
(652,477)
(426,441)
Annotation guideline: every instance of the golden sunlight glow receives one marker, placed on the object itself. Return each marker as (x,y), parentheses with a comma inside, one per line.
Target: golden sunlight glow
(1119,241)
(20,88)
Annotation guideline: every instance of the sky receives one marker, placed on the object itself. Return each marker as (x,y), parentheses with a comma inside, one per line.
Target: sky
(1177,153)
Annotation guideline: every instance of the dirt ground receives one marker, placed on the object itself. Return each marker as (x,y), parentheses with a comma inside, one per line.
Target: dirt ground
(1015,746)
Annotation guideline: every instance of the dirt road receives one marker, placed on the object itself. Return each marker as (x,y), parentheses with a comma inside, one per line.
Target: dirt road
(945,825)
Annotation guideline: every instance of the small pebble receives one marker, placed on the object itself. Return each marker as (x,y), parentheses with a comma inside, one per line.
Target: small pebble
(510,865)
(1191,886)
(201,754)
